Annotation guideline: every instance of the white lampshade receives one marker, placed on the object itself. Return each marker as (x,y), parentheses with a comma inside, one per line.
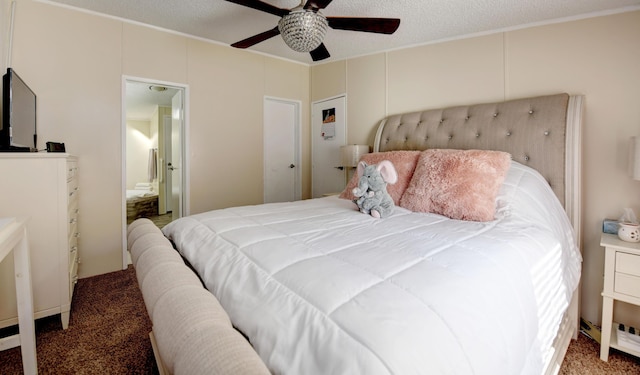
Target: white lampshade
(351,154)
(634,158)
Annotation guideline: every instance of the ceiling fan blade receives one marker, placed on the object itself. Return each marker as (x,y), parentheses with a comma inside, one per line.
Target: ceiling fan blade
(370,25)
(320,53)
(245,43)
(259,5)
(317,4)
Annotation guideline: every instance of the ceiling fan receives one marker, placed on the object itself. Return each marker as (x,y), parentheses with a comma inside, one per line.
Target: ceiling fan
(303,28)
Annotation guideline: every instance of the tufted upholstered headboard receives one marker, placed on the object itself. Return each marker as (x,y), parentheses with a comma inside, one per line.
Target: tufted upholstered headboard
(541,132)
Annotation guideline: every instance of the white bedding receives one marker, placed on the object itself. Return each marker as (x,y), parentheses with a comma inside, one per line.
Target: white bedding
(320,288)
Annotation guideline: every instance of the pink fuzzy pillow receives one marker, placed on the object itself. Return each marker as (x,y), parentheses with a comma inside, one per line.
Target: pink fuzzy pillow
(403,161)
(460,184)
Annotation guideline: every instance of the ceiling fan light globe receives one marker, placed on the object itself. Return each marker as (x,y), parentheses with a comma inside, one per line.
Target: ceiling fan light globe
(303,30)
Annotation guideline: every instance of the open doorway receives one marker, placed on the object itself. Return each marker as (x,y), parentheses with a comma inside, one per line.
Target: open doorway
(154,176)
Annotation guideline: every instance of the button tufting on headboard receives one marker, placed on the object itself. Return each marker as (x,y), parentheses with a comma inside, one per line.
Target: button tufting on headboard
(536,125)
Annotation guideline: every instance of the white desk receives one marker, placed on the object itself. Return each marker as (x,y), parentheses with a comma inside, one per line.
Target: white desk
(13,237)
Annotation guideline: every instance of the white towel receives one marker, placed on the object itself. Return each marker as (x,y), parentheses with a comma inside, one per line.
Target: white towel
(153,164)
(143,186)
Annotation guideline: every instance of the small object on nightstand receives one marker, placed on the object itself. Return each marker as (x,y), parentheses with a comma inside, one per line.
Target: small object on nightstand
(610,226)
(629,232)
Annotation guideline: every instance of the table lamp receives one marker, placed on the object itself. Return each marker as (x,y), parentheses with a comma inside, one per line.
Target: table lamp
(350,156)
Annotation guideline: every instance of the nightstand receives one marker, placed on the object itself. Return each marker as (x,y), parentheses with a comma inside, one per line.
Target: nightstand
(621,283)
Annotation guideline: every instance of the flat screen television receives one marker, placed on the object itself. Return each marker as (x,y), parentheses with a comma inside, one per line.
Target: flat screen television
(18,128)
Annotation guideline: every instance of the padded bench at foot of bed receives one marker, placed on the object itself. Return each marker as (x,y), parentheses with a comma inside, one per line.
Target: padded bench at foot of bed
(192,334)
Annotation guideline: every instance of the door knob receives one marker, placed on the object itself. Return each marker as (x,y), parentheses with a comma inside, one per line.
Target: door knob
(291,166)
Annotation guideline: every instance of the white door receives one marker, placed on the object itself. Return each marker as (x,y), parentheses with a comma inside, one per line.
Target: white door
(167,174)
(176,169)
(328,133)
(281,150)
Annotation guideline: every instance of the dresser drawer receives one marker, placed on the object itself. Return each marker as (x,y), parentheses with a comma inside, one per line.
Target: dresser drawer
(628,263)
(73,239)
(72,169)
(72,189)
(73,252)
(73,212)
(627,284)
(72,231)
(73,271)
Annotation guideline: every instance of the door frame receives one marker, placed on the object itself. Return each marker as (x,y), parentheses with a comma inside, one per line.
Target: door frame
(166,128)
(123,151)
(297,149)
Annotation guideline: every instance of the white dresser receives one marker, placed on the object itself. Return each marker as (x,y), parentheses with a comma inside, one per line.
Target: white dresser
(44,187)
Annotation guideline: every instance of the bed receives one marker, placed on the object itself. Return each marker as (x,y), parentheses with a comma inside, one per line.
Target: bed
(317,287)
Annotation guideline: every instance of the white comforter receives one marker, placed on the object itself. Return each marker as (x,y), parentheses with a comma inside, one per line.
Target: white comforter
(320,288)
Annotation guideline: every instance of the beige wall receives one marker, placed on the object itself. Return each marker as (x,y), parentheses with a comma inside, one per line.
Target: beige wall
(75,62)
(328,80)
(598,57)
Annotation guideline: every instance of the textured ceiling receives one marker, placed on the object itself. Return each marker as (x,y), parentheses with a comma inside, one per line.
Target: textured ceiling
(423,21)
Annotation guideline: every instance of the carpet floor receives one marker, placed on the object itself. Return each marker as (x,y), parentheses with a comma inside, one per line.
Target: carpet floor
(109,334)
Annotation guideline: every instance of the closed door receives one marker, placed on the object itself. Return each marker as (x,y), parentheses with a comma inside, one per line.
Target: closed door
(281,150)
(328,134)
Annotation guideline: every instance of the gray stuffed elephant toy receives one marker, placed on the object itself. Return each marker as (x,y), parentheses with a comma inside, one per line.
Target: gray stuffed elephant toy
(371,193)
